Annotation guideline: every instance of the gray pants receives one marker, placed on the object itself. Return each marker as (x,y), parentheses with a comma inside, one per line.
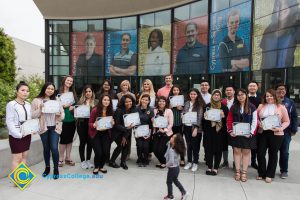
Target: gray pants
(172,177)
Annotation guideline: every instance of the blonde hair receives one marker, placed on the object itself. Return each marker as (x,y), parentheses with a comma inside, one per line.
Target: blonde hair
(125,82)
(82,99)
(152,92)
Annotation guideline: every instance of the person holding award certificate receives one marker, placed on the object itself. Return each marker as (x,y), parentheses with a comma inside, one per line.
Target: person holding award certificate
(162,135)
(244,112)
(213,133)
(142,143)
(17,112)
(100,139)
(87,99)
(68,126)
(270,139)
(147,88)
(193,132)
(50,127)
(122,134)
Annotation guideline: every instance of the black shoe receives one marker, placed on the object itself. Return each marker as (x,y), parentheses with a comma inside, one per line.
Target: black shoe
(214,173)
(96,171)
(140,164)
(124,166)
(208,172)
(113,165)
(254,165)
(55,174)
(225,164)
(46,172)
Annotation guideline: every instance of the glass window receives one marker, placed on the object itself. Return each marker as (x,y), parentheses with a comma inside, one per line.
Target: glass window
(113,24)
(95,25)
(58,50)
(235,2)
(147,20)
(59,39)
(59,60)
(128,23)
(60,70)
(219,5)
(199,9)
(79,26)
(58,26)
(182,13)
(162,18)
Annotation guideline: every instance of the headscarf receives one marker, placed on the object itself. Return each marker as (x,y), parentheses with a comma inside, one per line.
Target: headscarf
(216,105)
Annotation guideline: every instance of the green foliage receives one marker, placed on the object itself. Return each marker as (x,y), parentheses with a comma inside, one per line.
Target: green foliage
(7,58)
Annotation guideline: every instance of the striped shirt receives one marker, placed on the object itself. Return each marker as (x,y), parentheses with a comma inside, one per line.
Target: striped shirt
(177,117)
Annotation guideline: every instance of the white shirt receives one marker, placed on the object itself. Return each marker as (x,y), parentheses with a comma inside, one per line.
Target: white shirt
(270,110)
(157,62)
(206,97)
(229,103)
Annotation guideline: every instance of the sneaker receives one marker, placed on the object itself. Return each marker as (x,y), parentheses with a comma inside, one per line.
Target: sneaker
(195,167)
(225,164)
(90,164)
(284,175)
(169,198)
(188,166)
(185,196)
(84,165)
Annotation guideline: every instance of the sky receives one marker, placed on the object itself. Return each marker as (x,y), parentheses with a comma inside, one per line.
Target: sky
(22,19)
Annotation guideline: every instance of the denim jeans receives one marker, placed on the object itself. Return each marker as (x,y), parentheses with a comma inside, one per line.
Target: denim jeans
(50,141)
(284,153)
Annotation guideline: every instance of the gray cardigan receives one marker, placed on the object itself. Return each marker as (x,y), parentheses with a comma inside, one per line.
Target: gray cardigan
(199,115)
(172,158)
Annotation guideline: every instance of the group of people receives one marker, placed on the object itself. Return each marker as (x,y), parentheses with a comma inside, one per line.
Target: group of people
(166,143)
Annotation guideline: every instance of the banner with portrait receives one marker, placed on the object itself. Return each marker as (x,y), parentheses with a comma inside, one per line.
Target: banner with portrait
(276,34)
(230,31)
(121,53)
(154,51)
(190,46)
(87,53)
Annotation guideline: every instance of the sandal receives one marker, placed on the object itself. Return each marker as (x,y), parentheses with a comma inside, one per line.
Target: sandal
(96,171)
(244,177)
(70,162)
(259,178)
(237,175)
(60,163)
(103,170)
(268,180)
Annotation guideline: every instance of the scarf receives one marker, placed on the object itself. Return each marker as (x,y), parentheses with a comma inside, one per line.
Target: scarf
(216,105)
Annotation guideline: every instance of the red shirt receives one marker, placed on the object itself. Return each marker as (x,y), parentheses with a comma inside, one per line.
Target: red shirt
(164,91)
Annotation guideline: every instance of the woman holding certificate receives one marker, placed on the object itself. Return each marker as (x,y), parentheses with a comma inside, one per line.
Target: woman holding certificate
(17,112)
(122,130)
(143,136)
(274,119)
(101,136)
(68,98)
(87,99)
(242,124)
(193,127)
(147,88)
(163,123)
(214,127)
(50,125)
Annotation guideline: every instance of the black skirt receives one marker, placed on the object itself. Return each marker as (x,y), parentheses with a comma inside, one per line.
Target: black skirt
(243,142)
(19,145)
(68,132)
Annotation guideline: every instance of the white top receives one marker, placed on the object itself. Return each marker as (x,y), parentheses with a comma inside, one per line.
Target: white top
(229,103)
(157,62)
(206,97)
(270,110)
(15,115)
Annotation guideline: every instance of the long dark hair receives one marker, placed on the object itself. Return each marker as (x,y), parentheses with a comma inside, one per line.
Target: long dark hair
(171,91)
(71,89)
(236,104)
(109,110)
(162,98)
(43,90)
(110,92)
(179,145)
(121,104)
(199,102)
(82,99)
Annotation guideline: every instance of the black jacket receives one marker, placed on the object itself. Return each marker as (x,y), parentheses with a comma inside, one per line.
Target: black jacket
(120,129)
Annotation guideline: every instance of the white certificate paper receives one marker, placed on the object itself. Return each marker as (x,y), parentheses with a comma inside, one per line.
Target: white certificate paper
(189,118)
(241,129)
(270,122)
(177,101)
(30,126)
(51,106)
(67,98)
(160,122)
(142,131)
(104,123)
(132,118)
(115,104)
(82,111)
(213,114)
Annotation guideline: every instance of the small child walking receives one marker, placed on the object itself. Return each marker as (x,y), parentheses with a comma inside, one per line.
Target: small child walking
(176,148)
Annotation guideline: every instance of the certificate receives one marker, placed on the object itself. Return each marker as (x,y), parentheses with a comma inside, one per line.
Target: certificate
(115,104)
(30,126)
(82,111)
(67,98)
(142,131)
(177,101)
(104,123)
(270,122)
(133,118)
(160,122)
(189,118)
(241,129)
(51,106)
(152,102)
(212,114)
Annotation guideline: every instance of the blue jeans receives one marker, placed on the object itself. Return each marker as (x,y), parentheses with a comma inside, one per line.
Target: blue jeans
(284,153)
(50,141)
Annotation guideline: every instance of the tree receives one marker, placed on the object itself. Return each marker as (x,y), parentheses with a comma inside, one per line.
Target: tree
(7,58)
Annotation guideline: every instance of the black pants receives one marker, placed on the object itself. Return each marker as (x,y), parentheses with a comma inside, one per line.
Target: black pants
(172,177)
(160,146)
(178,129)
(193,144)
(268,141)
(101,146)
(119,149)
(213,159)
(82,129)
(142,146)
